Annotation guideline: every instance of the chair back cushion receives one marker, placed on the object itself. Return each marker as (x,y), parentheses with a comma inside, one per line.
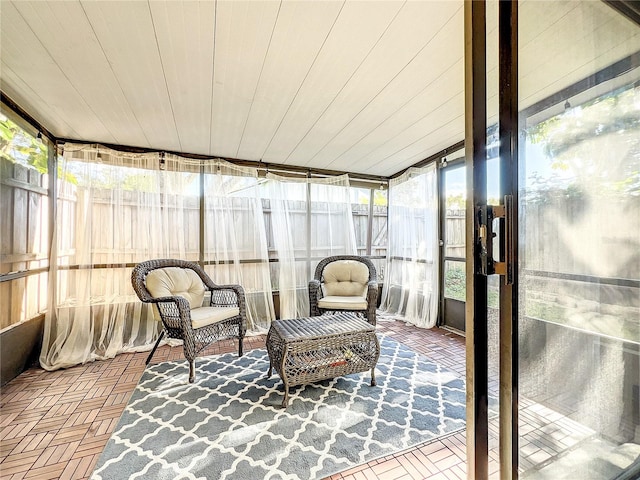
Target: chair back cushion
(345,278)
(176,281)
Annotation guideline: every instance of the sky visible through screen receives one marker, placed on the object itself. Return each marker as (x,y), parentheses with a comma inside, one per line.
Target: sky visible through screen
(536,163)
(456,181)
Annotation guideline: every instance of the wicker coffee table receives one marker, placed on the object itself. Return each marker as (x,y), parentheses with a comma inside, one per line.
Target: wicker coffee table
(306,350)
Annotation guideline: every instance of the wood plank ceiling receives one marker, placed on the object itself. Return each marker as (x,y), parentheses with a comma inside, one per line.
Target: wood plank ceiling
(357,86)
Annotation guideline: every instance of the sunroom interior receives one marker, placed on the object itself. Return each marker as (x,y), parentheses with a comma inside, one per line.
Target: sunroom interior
(257,138)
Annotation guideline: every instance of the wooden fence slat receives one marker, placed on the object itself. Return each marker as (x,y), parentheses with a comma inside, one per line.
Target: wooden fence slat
(23,230)
(29,187)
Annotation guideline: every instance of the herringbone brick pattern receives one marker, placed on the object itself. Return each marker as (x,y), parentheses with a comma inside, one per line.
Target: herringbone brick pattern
(55,424)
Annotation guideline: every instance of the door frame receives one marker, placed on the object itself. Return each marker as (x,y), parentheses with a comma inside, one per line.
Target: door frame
(446,305)
(508,131)
(476,305)
(480,261)
(475,58)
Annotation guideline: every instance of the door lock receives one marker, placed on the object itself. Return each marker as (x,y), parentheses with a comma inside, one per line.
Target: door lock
(485,214)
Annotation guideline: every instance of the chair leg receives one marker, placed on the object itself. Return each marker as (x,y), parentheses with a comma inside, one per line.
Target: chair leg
(240,346)
(154,347)
(192,370)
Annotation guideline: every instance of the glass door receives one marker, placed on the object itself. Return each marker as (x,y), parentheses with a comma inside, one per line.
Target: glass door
(560,83)
(452,217)
(579,223)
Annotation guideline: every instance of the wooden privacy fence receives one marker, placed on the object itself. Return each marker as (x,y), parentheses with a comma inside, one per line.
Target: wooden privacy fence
(454,233)
(559,235)
(25,231)
(24,227)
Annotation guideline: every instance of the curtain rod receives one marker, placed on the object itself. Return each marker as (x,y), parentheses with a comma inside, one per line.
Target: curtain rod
(266,166)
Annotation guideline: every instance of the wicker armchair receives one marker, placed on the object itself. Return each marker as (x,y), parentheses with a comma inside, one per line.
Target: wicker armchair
(344,283)
(177,289)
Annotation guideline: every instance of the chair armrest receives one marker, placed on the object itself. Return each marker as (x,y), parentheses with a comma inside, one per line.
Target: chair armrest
(314,285)
(228,295)
(372,301)
(315,294)
(179,309)
(372,287)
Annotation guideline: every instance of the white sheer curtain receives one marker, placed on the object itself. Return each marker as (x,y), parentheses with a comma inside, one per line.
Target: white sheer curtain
(311,219)
(235,239)
(117,209)
(411,281)
(114,210)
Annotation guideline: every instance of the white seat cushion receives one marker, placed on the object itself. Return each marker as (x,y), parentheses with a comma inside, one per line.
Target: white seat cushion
(343,303)
(347,278)
(203,316)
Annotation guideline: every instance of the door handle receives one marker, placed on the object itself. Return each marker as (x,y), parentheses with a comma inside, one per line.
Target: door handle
(509,240)
(485,214)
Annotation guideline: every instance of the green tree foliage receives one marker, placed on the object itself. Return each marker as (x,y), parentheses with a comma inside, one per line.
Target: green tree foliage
(380,198)
(456,202)
(569,139)
(17,146)
(615,112)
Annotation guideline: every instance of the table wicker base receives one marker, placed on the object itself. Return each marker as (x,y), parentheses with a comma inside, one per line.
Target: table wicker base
(306,350)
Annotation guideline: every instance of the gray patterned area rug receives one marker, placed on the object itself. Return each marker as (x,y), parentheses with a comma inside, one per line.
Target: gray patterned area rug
(229,423)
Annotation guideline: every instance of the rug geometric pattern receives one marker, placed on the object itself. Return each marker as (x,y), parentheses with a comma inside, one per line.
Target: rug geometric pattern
(229,425)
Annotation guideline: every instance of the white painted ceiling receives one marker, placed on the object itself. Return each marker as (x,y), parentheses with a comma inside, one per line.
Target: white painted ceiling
(358,86)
